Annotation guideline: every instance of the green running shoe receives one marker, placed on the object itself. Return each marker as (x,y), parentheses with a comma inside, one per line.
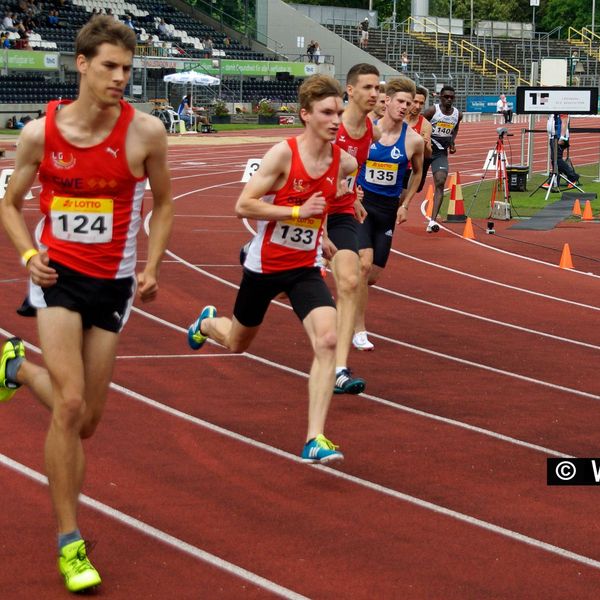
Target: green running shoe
(76,568)
(12,349)
(321,450)
(196,338)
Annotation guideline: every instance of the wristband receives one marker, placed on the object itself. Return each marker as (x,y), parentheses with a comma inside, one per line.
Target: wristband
(295,212)
(28,255)
(404,207)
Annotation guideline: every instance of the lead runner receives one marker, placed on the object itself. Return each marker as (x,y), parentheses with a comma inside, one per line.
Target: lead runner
(93,156)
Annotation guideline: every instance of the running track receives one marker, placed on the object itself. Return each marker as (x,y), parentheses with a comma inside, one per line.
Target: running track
(485,364)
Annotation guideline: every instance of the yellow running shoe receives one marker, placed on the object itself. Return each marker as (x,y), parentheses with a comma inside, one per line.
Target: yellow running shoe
(76,568)
(12,348)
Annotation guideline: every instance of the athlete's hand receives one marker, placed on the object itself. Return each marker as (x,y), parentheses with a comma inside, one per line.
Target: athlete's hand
(41,274)
(360,212)
(342,188)
(452,149)
(147,287)
(329,248)
(314,206)
(401,215)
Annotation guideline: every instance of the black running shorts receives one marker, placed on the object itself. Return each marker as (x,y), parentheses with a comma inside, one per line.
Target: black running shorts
(439,161)
(102,303)
(305,288)
(342,230)
(377,230)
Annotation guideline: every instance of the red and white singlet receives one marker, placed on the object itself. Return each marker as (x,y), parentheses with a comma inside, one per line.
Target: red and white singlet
(417,127)
(91,201)
(359,148)
(293,243)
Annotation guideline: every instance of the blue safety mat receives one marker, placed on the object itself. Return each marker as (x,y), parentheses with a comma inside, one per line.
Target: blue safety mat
(554,213)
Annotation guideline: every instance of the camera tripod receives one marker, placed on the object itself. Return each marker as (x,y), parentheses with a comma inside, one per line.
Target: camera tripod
(552,182)
(499,209)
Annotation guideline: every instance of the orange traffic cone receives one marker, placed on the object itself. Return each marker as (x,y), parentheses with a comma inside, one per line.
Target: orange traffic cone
(587,212)
(565,259)
(468,232)
(456,205)
(576,208)
(429,198)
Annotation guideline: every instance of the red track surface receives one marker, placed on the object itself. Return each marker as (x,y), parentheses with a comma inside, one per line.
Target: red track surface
(485,364)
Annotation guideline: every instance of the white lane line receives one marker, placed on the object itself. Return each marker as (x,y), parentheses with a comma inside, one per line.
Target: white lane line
(412,346)
(393,405)
(162,536)
(500,250)
(351,478)
(195,356)
(485,319)
(498,283)
(477,365)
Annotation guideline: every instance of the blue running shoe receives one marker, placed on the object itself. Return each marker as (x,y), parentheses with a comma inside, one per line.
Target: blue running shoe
(321,450)
(346,384)
(196,338)
(12,348)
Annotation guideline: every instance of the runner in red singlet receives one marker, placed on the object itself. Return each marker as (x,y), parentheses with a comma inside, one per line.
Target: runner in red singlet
(379,108)
(355,136)
(289,196)
(93,157)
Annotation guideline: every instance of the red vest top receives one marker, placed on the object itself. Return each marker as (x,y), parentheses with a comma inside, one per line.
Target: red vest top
(90,200)
(293,243)
(359,148)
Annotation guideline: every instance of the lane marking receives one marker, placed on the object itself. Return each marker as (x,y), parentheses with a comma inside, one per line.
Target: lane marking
(145,356)
(436,508)
(500,250)
(485,319)
(499,283)
(161,536)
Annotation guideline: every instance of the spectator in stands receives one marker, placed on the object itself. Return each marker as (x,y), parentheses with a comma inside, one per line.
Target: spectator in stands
(317,53)
(226,41)
(310,50)
(503,108)
(8,22)
(363,29)
(404,62)
(209,44)
(129,22)
(23,42)
(53,18)
(5,41)
(162,29)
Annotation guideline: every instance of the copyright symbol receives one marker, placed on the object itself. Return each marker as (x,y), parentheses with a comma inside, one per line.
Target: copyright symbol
(565,470)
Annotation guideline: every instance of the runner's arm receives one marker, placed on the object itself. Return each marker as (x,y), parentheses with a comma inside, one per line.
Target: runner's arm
(426,130)
(416,161)
(161,221)
(30,152)
(452,147)
(428,114)
(27,161)
(270,176)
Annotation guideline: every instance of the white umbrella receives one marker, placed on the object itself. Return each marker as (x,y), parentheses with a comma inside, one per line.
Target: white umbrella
(193,77)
